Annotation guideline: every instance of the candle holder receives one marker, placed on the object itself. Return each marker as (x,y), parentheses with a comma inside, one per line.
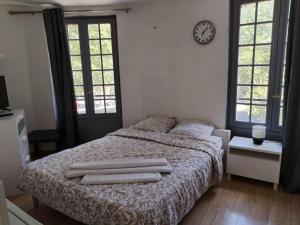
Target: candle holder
(258,134)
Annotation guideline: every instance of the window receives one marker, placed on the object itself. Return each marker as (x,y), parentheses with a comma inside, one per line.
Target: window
(94,60)
(257,64)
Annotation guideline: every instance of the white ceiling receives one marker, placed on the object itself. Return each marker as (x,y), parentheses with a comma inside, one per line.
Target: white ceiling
(74,2)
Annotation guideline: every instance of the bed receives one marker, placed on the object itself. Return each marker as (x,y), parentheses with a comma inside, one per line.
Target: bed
(197,165)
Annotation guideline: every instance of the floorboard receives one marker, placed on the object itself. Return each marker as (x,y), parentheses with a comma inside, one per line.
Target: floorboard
(240,201)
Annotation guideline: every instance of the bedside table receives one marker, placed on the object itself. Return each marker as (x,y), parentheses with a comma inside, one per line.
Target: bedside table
(261,162)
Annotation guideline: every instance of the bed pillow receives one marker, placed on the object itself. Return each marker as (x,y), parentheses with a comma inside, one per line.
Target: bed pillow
(193,128)
(156,123)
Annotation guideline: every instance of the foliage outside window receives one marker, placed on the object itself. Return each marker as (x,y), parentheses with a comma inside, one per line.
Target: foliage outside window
(255,75)
(93,57)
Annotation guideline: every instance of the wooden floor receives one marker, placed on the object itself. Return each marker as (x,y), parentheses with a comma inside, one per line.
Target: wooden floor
(237,202)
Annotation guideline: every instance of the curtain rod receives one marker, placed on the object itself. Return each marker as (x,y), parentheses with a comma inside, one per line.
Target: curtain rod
(71,11)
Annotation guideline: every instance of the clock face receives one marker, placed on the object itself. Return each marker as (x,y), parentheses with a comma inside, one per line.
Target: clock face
(204,32)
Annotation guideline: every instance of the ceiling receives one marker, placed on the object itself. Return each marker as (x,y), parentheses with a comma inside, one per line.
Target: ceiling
(73,2)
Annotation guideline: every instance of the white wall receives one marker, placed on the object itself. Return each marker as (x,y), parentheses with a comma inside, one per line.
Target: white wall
(40,72)
(15,64)
(26,67)
(162,67)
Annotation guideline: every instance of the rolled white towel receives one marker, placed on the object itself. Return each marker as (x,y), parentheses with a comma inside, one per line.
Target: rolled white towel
(149,169)
(121,178)
(119,163)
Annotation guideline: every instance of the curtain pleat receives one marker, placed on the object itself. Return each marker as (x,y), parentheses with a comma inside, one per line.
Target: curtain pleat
(61,76)
(290,171)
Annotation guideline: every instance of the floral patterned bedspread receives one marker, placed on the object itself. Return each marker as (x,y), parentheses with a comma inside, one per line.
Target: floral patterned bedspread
(197,165)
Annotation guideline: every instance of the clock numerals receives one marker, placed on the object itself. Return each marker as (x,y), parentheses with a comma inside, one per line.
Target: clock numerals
(204,32)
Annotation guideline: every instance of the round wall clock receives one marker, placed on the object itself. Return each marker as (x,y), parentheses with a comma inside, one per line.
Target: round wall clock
(204,32)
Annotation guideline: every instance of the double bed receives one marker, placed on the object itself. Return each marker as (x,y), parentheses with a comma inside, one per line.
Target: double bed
(197,165)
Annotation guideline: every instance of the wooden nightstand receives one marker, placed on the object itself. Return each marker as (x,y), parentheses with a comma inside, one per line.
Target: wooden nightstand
(261,162)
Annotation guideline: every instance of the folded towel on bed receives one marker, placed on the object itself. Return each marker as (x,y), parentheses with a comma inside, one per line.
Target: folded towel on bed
(121,178)
(119,163)
(149,169)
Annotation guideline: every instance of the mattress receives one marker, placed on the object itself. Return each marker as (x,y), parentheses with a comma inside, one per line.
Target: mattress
(197,165)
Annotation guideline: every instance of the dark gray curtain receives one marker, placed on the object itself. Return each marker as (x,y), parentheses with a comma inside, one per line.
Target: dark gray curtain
(290,173)
(61,76)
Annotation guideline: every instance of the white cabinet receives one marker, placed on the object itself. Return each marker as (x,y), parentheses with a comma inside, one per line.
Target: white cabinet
(261,162)
(14,150)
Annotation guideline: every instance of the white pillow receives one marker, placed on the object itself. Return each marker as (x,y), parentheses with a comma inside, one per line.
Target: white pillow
(193,128)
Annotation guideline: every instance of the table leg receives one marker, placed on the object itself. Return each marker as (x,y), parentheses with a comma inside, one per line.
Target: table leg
(35,202)
(36,148)
(275,187)
(228,176)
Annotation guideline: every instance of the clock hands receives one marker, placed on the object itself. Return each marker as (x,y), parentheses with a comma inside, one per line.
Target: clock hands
(204,32)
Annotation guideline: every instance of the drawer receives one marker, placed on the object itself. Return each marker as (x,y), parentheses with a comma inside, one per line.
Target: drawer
(260,166)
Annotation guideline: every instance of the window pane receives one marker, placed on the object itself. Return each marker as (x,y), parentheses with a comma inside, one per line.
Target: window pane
(110,97)
(264,33)
(109,77)
(99,106)
(107,62)
(242,113)
(258,114)
(261,75)
(248,13)
(246,34)
(243,101)
(280,116)
(109,90)
(77,78)
(98,90)
(80,105)
(94,47)
(282,94)
(105,30)
(93,31)
(244,74)
(259,102)
(243,92)
(97,77)
(245,55)
(79,91)
(74,47)
(110,106)
(76,62)
(265,11)
(283,75)
(262,54)
(73,31)
(260,92)
(106,47)
(96,62)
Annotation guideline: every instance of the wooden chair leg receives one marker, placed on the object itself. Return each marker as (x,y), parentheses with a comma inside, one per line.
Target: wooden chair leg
(35,202)
(36,148)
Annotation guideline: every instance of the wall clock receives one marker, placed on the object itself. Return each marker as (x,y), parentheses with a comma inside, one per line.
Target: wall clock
(204,32)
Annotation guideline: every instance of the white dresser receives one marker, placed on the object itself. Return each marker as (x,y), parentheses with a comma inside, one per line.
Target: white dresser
(261,162)
(14,150)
